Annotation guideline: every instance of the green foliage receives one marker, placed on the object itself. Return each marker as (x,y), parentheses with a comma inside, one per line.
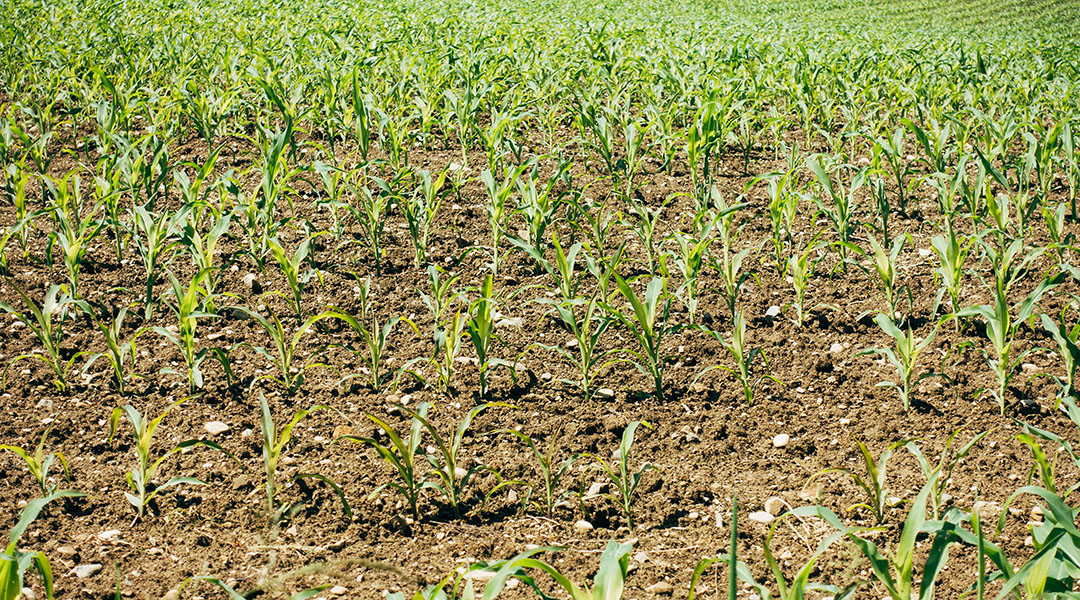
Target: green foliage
(46,321)
(39,464)
(903,356)
(14,563)
(878,502)
(624,478)
(140,478)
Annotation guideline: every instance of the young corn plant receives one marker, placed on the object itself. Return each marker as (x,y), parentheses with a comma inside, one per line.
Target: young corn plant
(743,357)
(1067,348)
(838,206)
(878,501)
(1002,321)
(883,271)
(896,573)
(47,324)
(625,480)
(374,338)
(481,331)
(551,473)
(607,584)
(452,478)
(783,210)
(154,237)
(204,247)
(400,455)
(283,358)
(75,226)
(39,464)
(296,277)
(372,212)
(903,356)
(274,442)
(189,304)
(538,206)
(729,263)
(797,587)
(689,261)
(580,316)
(800,268)
(140,478)
(952,252)
(648,324)
(420,209)
(14,563)
(498,206)
(1060,240)
(942,471)
(121,353)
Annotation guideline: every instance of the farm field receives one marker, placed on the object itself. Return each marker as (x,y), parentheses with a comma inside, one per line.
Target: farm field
(626,299)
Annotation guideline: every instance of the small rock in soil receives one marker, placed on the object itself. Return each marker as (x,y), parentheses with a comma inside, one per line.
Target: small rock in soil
(216,427)
(65,551)
(84,571)
(781,440)
(29,594)
(251,282)
(605,393)
(338,590)
(641,557)
(583,525)
(773,312)
(661,588)
(774,506)
(171,595)
(761,517)
(836,348)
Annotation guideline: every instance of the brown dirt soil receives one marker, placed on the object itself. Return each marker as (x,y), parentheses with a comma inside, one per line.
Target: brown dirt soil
(706,443)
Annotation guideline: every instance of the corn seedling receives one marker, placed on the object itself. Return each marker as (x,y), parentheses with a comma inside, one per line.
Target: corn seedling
(1066,338)
(420,209)
(942,471)
(153,237)
(140,478)
(800,268)
(374,338)
(689,261)
(551,472)
(878,502)
(1002,321)
(742,356)
(120,353)
(46,322)
(15,563)
(648,325)
(838,206)
(75,226)
(896,573)
(274,442)
(39,464)
(295,276)
(883,271)
(400,454)
(498,207)
(797,587)
(580,317)
(189,304)
(204,247)
(623,478)
(446,461)
(903,356)
(481,331)
(282,354)
(952,252)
